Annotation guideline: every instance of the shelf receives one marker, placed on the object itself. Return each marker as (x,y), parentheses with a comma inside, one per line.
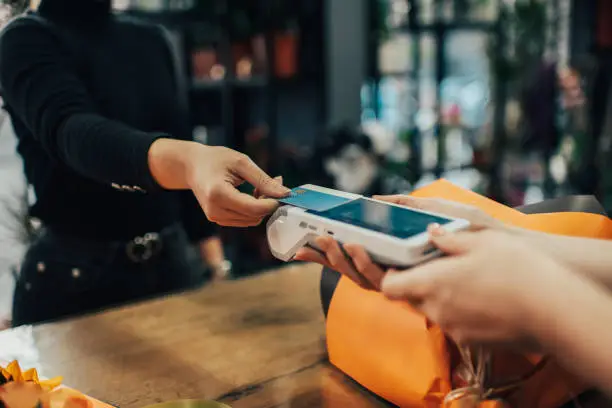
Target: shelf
(256,82)
(166,17)
(308,79)
(448,26)
(212,85)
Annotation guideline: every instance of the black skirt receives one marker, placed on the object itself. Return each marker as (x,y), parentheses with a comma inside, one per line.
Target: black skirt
(63,276)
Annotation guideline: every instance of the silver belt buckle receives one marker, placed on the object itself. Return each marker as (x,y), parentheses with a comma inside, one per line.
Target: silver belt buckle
(142,249)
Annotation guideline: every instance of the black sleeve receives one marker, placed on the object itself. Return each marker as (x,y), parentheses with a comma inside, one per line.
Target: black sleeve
(40,86)
(194,219)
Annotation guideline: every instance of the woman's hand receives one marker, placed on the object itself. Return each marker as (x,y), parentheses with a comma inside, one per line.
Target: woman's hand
(214,176)
(487,291)
(478,219)
(356,264)
(213,173)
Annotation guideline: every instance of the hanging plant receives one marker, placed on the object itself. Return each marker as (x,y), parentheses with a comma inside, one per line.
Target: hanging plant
(524,23)
(241,20)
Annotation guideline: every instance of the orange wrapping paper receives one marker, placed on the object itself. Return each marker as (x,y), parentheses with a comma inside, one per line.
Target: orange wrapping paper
(391,349)
(63,394)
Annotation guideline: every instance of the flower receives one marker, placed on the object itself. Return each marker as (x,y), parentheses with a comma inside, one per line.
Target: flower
(24,395)
(24,389)
(13,373)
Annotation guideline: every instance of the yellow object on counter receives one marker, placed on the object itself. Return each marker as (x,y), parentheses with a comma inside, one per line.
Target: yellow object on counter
(47,393)
(14,373)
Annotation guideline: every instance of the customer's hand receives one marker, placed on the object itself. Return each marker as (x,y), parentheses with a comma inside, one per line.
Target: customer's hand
(486,291)
(359,267)
(213,175)
(478,219)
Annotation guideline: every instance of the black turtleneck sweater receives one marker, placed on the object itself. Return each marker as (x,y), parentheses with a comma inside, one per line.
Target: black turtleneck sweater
(88,93)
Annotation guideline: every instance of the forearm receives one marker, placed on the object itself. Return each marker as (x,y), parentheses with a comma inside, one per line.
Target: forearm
(112,153)
(591,257)
(573,326)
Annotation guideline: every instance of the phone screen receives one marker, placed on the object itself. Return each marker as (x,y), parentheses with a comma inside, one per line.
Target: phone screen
(399,222)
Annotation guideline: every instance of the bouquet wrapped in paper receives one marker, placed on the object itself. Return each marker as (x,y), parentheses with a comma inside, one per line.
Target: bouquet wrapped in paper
(396,353)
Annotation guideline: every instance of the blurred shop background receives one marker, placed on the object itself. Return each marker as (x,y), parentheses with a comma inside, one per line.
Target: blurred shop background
(509,98)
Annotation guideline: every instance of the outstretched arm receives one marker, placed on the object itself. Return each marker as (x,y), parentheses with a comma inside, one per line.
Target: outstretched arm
(41,89)
(592,257)
(572,325)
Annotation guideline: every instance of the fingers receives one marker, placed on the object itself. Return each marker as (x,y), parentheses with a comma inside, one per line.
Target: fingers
(360,269)
(452,243)
(258,194)
(229,218)
(239,223)
(311,255)
(364,265)
(420,282)
(399,199)
(339,261)
(225,196)
(408,201)
(247,170)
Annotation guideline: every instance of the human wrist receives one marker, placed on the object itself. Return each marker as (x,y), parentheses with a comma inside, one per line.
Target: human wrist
(550,316)
(171,162)
(511,230)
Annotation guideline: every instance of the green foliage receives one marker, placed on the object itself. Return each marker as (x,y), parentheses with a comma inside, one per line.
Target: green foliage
(246,18)
(524,26)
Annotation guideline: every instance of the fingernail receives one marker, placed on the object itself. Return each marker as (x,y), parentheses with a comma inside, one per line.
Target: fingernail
(349,249)
(279,184)
(435,230)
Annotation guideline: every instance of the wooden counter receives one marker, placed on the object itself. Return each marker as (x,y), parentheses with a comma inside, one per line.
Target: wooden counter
(256,342)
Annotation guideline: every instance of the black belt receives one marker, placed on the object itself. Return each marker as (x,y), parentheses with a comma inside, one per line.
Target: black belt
(139,249)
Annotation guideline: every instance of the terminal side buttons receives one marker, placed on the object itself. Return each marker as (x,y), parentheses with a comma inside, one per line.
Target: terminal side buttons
(305,225)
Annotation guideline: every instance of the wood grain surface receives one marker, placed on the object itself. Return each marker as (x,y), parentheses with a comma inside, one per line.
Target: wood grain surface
(257,342)
(252,343)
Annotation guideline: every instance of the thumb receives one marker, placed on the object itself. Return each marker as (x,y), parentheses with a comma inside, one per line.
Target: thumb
(262,182)
(451,243)
(257,193)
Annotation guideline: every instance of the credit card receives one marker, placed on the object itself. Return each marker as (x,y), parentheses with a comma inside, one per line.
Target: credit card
(313,200)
